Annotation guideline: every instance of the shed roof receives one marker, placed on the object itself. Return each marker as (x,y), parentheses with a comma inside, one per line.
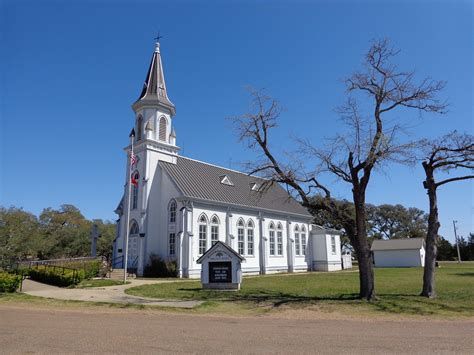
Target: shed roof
(398,244)
(216,246)
(204,181)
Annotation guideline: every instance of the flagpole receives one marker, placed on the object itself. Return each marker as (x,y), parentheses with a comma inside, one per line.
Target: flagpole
(129,187)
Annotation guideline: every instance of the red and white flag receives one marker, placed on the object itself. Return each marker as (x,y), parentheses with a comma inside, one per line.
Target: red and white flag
(133,158)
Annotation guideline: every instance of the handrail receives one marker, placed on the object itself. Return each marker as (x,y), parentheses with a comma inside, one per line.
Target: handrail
(114,261)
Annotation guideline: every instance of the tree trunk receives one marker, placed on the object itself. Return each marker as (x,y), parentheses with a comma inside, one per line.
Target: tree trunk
(431,248)
(364,255)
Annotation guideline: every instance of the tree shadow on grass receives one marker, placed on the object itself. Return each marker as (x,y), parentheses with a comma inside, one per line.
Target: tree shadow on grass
(417,305)
(471,274)
(409,304)
(264,297)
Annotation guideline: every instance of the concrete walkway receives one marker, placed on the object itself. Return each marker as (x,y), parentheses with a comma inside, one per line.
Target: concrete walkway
(109,294)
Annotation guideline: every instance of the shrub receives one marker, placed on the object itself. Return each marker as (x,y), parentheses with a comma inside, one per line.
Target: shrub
(56,275)
(9,282)
(92,269)
(158,267)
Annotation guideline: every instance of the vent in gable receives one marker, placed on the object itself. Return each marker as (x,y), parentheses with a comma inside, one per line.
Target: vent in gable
(226,180)
(254,186)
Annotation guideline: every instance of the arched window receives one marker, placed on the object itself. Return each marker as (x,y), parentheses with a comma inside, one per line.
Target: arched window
(202,234)
(303,240)
(135,179)
(162,129)
(139,127)
(279,239)
(250,237)
(172,232)
(214,230)
(134,230)
(271,234)
(241,236)
(297,241)
(172,215)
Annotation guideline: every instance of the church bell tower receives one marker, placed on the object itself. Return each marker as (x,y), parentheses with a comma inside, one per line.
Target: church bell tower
(154,112)
(154,141)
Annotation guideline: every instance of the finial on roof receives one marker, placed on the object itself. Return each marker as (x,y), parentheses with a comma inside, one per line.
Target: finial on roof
(157,43)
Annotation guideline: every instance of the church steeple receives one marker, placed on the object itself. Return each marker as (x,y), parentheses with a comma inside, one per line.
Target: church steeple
(154,91)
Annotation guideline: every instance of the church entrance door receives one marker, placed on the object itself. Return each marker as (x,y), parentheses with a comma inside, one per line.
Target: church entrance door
(132,261)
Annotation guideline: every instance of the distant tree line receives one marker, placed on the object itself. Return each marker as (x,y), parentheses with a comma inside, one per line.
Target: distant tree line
(393,222)
(448,251)
(61,233)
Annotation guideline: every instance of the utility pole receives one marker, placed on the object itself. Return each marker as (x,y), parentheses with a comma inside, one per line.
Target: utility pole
(457,241)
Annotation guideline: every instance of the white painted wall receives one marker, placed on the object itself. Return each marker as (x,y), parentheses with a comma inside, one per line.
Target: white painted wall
(399,258)
(324,259)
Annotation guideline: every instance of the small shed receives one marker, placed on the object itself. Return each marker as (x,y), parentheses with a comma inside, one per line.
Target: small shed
(221,267)
(407,252)
(325,249)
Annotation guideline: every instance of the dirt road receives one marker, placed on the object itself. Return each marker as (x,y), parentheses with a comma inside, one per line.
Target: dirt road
(94,330)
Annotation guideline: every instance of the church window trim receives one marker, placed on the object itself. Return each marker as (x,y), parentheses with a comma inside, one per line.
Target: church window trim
(241,236)
(271,237)
(134,229)
(172,211)
(214,230)
(134,196)
(303,240)
(172,244)
(139,128)
(297,241)
(162,127)
(250,238)
(279,240)
(333,245)
(203,224)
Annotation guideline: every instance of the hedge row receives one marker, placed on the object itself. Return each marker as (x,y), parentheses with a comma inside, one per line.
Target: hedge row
(9,282)
(157,267)
(56,275)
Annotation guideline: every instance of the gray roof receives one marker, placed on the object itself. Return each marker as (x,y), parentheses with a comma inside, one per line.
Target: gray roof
(318,228)
(398,244)
(202,181)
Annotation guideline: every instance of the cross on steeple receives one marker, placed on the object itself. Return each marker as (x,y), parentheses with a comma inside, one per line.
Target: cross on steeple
(158,37)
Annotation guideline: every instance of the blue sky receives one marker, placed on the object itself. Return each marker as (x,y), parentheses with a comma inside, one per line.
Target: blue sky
(71,70)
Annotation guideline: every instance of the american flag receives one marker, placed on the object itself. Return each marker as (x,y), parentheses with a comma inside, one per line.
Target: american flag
(133,158)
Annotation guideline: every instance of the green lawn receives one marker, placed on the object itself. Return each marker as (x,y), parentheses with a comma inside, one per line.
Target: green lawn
(397,290)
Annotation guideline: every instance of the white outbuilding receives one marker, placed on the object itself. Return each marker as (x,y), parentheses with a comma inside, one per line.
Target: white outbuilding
(326,249)
(399,252)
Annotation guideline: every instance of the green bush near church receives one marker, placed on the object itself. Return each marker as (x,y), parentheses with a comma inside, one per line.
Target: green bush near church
(56,276)
(157,267)
(9,282)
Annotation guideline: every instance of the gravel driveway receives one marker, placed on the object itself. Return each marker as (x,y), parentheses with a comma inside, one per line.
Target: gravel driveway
(100,330)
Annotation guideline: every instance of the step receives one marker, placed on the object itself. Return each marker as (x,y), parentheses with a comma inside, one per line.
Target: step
(117,274)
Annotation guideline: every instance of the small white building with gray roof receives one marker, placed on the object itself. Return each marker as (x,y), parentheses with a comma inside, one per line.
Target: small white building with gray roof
(179,207)
(406,252)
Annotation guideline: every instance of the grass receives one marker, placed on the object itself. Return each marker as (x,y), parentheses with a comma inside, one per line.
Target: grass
(397,291)
(99,283)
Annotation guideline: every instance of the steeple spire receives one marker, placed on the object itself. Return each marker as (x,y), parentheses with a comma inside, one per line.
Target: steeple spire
(154,89)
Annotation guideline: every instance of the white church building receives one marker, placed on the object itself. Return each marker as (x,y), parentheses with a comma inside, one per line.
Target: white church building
(180,207)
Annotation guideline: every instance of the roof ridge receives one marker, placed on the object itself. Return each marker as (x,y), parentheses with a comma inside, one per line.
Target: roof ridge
(221,167)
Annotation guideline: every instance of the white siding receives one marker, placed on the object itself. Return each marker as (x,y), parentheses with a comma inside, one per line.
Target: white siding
(399,258)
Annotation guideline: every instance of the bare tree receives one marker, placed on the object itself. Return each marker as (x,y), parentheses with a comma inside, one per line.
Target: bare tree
(453,153)
(353,157)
